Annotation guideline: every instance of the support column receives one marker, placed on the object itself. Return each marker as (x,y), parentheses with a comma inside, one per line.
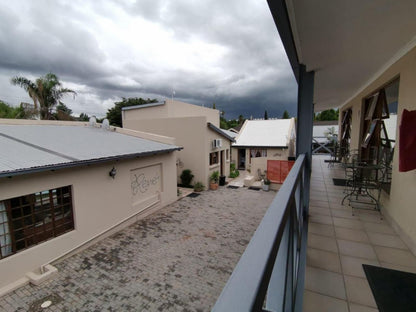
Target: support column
(305,126)
(304,146)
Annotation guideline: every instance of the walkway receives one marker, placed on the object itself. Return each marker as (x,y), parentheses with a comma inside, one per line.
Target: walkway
(339,243)
(178,259)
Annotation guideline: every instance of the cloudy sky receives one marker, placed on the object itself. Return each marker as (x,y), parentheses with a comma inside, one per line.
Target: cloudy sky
(227,52)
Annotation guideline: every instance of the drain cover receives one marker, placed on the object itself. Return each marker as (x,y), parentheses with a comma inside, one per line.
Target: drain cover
(45,302)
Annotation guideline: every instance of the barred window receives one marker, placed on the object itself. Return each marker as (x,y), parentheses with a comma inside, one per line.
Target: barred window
(213,158)
(34,218)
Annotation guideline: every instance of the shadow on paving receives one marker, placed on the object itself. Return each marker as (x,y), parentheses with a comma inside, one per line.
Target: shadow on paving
(177,259)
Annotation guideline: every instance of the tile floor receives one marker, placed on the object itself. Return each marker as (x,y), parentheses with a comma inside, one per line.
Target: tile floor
(339,243)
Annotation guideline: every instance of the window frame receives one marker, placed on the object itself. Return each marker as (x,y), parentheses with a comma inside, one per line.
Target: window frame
(34,218)
(214,156)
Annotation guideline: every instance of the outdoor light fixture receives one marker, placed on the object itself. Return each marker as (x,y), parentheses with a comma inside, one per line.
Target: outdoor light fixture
(112,172)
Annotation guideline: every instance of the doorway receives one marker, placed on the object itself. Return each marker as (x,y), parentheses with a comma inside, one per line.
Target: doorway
(242,159)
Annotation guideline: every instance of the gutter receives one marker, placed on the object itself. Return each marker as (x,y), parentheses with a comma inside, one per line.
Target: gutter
(79,163)
(262,146)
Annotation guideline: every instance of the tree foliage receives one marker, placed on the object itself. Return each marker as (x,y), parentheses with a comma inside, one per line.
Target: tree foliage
(83,117)
(114,113)
(7,111)
(285,115)
(266,116)
(46,92)
(330,114)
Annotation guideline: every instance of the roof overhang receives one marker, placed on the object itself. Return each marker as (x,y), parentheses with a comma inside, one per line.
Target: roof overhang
(348,44)
(220,132)
(262,146)
(79,163)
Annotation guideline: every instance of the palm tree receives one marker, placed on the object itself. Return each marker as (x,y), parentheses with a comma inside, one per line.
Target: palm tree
(46,92)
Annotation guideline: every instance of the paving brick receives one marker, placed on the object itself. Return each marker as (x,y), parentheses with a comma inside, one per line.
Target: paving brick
(177,259)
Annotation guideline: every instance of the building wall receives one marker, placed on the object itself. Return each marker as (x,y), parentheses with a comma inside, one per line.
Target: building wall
(261,162)
(226,145)
(190,133)
(399,206)
(99,202)
(173,109)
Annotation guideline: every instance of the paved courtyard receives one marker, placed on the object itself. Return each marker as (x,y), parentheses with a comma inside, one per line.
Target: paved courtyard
(177,259)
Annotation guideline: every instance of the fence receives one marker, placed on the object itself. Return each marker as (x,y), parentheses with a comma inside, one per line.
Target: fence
(278,170)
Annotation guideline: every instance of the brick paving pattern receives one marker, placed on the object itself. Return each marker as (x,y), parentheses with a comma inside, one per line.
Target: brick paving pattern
(177,259)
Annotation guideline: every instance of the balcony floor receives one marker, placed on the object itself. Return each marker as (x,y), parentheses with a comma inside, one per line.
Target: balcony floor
(339,243)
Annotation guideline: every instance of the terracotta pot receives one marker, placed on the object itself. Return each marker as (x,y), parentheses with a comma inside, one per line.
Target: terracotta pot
(213,186)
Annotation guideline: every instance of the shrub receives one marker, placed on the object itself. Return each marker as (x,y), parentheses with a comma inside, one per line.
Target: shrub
(215,176)
(234,173)
(199,187)
(186,177)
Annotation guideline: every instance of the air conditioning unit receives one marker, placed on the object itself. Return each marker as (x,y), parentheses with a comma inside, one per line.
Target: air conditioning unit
(216,143)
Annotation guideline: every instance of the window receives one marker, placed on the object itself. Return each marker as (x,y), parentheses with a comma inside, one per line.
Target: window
(379,124)
(213,158)
(379,130)
(31,219)
(227,154)
(345,132)
(260,152)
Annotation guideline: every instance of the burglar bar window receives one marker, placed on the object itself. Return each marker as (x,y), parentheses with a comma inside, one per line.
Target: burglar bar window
(34,218)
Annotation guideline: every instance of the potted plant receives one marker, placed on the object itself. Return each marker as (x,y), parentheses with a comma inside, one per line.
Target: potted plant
(266,184)
(199,187)
(214,180)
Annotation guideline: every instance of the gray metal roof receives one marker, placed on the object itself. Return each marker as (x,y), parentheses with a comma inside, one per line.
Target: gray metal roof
(32,148)
(221,132)
(142,106)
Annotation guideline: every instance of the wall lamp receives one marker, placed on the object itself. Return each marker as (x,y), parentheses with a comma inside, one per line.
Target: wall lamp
(113,172)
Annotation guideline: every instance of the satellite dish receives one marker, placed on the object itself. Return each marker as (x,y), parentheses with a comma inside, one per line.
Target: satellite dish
(93,121)
(106,124)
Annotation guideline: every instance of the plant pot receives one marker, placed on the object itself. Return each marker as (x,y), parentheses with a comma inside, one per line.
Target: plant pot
(266,187)
(213,186)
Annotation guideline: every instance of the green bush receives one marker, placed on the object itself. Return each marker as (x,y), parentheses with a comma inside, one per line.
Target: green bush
(215,176)
(186,177)
(234,173)
(199,187)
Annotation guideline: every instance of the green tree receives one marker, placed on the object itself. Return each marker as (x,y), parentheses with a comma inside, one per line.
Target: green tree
(285,115)
(45,92)
(114,113)
(223,123)
(241,119)
(330,114)
(266,116)
(63,112)
(213,106)
(83,117)
(7,111)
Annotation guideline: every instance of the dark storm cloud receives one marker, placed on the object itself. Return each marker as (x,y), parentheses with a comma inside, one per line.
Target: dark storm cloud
(251,73)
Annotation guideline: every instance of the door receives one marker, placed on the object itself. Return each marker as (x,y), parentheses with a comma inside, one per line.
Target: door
(242,159)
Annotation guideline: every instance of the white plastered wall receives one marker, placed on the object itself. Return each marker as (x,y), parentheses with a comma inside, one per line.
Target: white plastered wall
(400,205)
(99,202)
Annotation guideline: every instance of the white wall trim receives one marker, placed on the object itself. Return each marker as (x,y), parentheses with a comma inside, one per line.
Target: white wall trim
(402,52)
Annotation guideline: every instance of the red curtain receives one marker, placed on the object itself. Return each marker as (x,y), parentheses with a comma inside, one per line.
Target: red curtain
(407,145)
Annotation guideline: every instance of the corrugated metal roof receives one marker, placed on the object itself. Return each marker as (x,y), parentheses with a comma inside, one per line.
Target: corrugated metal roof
(26,148)
(267,133)
(230,133)
(142,106)
(221,132)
